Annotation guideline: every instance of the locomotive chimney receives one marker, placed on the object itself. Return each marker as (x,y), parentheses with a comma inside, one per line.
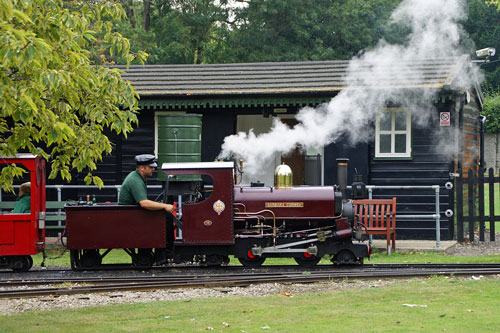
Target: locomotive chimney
(342,174)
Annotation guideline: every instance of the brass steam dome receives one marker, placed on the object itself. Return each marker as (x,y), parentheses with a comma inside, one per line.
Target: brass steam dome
(283,176)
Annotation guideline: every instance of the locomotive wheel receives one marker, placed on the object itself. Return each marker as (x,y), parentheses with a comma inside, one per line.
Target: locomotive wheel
(252,263)
(90,258)
(20,263)
(307,261)
(344,257)
(144,259)
(252,260)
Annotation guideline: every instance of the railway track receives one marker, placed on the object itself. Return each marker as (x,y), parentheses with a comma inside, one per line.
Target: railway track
(32,287)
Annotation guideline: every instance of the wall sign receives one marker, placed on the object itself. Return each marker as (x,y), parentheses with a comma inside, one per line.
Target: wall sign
(444,119)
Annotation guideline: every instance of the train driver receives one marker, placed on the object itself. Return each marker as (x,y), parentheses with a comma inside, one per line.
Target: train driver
(23,201)
(134,192)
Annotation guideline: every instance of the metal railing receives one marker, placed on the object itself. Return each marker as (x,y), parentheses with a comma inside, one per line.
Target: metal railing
(59,188)
(436,216)
(436,188)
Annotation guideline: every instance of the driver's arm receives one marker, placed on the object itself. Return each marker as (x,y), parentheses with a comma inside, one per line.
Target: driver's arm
(153,205)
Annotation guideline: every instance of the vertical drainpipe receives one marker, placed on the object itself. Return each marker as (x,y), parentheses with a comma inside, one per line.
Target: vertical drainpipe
(482,166)
(460,112)
(459,108)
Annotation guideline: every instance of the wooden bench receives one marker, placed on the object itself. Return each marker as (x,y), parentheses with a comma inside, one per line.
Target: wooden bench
(55,217)
(379,218)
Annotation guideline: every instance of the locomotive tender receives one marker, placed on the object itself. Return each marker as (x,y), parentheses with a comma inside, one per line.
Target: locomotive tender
(252,223)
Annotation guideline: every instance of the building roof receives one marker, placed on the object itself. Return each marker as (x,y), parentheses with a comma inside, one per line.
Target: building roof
(281,83)
(276,77)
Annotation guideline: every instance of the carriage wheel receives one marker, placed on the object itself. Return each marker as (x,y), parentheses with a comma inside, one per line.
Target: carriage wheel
(90,259)
(74,259)
(144,259)
(20,263)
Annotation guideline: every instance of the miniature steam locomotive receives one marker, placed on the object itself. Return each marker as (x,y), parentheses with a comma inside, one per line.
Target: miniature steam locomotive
(221,219)
(215,219)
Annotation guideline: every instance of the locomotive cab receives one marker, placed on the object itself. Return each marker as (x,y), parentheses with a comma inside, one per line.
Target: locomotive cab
(205,213)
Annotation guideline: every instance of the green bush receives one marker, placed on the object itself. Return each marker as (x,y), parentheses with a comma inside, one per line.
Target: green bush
(491,109)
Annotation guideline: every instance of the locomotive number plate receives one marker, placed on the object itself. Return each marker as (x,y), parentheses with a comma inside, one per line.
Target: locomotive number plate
(284,205)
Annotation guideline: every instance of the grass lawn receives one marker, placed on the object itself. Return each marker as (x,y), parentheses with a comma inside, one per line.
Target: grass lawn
(451,305)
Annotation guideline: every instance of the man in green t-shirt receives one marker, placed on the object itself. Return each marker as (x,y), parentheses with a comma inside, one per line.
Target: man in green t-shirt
(134,192)
(23,201)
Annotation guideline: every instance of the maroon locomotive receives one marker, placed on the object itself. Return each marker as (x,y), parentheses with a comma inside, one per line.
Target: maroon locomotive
(216,219)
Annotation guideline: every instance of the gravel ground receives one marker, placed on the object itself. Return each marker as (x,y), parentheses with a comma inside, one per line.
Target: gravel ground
(477,248)
(12,306)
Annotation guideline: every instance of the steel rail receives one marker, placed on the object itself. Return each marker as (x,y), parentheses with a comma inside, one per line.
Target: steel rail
(220,272)
(129,267)
(243,280)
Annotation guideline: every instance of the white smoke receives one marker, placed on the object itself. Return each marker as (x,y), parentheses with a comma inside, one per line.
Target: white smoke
(435,34)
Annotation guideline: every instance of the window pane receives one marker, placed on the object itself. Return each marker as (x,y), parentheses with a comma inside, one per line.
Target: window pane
(400,120)
(385,121)
(385,143)
(400,143)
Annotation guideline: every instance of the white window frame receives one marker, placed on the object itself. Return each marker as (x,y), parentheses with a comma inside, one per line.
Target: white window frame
(393,132)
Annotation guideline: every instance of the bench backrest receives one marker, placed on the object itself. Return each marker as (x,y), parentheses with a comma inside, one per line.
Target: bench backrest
(376,213)
(55,217)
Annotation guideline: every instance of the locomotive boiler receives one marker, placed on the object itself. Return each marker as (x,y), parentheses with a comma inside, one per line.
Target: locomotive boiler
(216,219)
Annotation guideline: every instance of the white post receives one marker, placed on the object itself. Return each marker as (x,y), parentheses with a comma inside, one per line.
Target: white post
(438,219)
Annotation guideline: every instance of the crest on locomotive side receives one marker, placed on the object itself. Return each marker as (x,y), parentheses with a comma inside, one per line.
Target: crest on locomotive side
(219,207)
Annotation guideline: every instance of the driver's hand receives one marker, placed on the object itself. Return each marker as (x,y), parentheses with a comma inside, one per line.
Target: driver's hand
(169,208)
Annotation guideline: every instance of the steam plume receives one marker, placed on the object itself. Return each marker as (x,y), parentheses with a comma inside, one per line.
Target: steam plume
(435,34)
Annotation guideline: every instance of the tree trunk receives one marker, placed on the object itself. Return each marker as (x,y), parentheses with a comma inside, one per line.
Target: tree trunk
(128,5)
(147,14)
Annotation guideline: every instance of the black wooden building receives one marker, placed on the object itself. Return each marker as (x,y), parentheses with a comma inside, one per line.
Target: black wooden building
(236,97)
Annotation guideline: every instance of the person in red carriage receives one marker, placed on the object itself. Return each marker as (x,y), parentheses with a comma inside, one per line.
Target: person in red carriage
(23,201)
(134,192)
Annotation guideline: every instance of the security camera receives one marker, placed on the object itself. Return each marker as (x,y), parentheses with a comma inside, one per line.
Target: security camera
(486,52)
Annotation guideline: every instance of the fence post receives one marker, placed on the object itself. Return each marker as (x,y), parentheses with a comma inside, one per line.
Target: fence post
(451,204)
(460,207)
(480,178)
(438,220)
(470,196)
(491,182)
(370,237)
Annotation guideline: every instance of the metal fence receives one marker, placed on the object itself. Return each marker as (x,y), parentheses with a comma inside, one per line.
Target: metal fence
(435,188)
(471,205)
(436,216)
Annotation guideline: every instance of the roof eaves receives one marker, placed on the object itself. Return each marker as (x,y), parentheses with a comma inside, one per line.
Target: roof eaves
(173,93)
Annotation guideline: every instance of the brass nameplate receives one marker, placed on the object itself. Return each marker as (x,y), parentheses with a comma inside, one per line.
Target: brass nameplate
(284,205)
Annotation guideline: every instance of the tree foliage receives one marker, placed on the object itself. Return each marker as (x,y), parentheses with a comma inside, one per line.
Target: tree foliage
(56,102)
(296,30)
